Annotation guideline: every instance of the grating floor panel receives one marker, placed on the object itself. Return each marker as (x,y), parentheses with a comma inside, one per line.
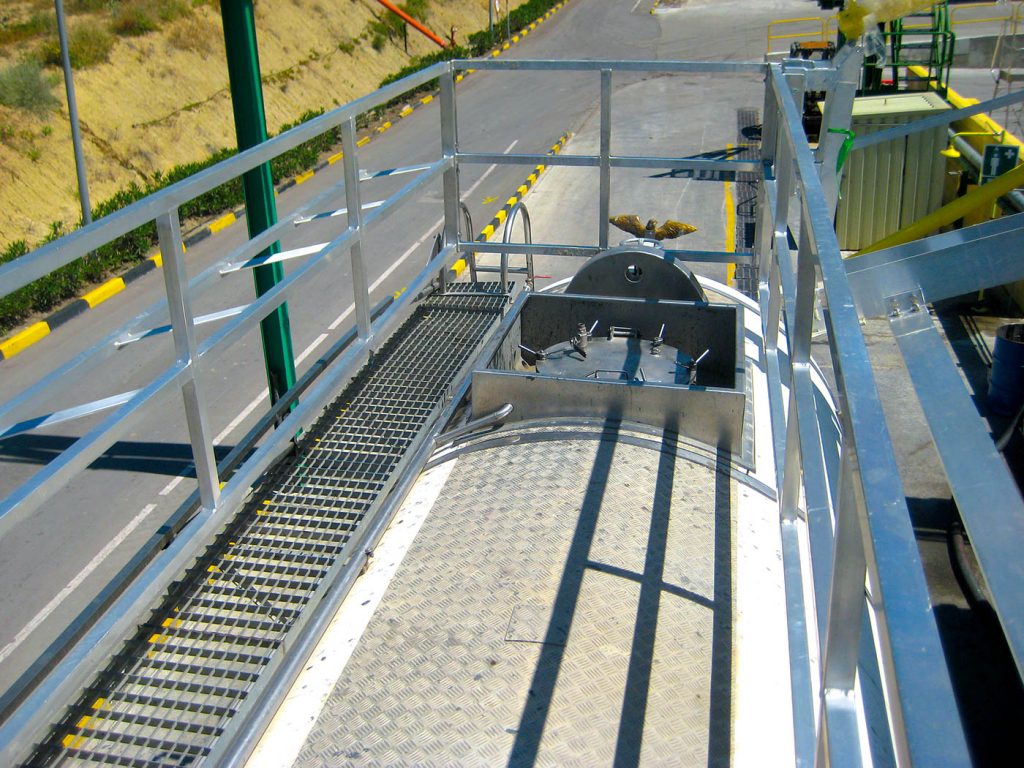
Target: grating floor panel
(749,148)
(167,697)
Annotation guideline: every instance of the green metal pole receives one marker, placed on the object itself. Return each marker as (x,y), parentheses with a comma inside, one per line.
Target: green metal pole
(260,210)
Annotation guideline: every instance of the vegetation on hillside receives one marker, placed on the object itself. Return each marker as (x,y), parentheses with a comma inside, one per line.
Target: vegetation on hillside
(25,85)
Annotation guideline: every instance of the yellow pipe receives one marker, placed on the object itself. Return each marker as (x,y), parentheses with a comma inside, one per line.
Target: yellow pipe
(981,123)
(947,214)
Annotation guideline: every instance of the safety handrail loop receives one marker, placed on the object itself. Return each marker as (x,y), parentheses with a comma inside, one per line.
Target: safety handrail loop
(470,255)
(527,240)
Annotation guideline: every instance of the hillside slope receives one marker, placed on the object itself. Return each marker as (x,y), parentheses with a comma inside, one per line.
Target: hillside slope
(162,99)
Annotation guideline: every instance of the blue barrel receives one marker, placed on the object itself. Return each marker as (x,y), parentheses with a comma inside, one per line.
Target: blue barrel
(1006,388)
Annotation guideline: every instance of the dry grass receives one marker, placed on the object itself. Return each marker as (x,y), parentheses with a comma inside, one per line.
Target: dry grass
(196,33)
(172,104)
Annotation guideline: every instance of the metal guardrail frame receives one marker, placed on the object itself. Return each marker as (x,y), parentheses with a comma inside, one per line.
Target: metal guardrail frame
(162,208)
(872,545)
(868,558)
(961,14)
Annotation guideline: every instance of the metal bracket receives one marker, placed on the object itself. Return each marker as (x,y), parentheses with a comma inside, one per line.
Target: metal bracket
(905,303)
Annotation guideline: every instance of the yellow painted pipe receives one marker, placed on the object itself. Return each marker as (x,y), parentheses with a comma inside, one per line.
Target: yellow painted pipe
(981,123)
(947,214)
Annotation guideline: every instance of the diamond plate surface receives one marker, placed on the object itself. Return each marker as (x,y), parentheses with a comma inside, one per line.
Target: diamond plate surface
(613,565)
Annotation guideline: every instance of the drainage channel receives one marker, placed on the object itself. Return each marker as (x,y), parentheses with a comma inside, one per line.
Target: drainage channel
(197,663)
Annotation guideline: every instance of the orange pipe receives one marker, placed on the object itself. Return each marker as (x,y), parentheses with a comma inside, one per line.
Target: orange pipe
(410,20)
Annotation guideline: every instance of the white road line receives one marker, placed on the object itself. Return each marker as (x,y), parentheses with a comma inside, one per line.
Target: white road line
(239,419)
(309,350)
(634,6)
(123,534)
(341,318)
(174,483)
(72,585)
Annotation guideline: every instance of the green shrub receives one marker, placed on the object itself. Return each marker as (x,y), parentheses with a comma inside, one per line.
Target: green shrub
(416,8)
(23,86)
(346,46)
(18,305)
(38,24)
(305,155)
(88,44)
(422,62)
(482,41)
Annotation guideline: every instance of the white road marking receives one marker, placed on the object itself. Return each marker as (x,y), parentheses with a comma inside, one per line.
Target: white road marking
(174,483)
(239,419)
(40,617)
(634,6)
(341,318)
(72,585)
(309,350)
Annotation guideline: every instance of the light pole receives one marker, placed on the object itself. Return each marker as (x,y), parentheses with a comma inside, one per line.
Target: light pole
(76,136)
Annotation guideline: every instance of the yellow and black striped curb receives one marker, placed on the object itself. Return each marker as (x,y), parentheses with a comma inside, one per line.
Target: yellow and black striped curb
(499,218)
(28,336)
(33,333)
(521,190)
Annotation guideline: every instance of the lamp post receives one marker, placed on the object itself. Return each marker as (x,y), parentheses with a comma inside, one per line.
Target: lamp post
(76,136)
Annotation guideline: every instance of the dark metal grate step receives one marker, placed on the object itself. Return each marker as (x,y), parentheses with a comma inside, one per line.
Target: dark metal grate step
(170,693)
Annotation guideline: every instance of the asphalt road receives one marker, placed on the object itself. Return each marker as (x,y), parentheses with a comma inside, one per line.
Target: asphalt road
(52,565)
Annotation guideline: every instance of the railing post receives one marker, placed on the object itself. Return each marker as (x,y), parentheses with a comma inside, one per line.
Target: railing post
(838,734)
(449,148)
(353,200)
(606,163)
(168,230)
(837,114)
(769,121)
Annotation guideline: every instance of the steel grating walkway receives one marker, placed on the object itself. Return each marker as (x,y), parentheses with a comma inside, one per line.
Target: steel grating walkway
(171,692)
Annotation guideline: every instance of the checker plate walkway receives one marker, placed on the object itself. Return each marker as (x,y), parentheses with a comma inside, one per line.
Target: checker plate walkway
(567,602)
(172,690)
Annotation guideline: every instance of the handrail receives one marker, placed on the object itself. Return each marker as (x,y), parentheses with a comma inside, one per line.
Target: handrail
(854,519)
(872,549)
(957,12)
(527,239)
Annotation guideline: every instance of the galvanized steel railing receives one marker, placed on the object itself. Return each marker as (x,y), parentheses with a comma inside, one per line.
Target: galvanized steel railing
(856,523)
(863,554)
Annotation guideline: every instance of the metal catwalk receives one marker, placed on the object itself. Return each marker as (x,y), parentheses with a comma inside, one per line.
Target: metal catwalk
(170,692)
